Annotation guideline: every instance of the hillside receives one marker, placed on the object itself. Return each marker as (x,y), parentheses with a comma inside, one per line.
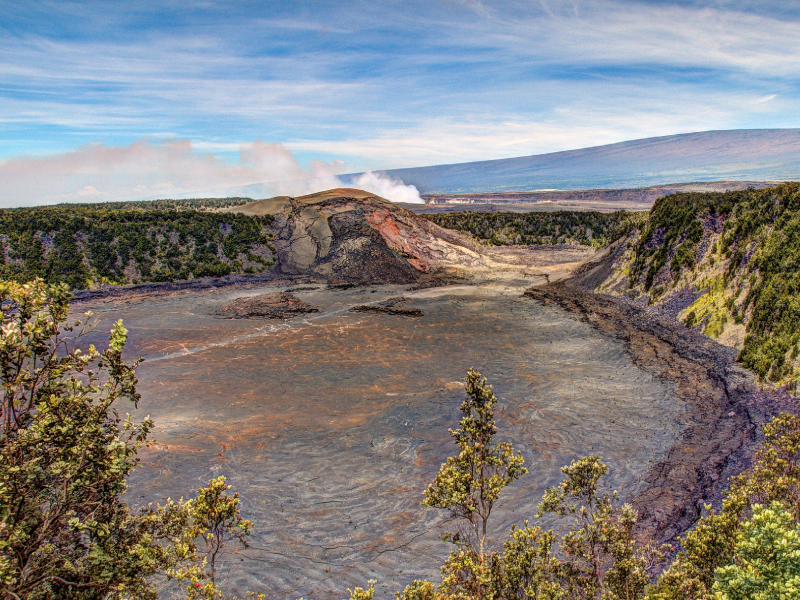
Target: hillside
(747,154)
(727,265)
(348,235)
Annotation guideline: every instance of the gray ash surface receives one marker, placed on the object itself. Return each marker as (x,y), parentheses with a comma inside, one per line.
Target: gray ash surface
(331,425)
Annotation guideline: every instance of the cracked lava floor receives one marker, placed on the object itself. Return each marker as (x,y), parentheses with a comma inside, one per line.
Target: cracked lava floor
(332,424)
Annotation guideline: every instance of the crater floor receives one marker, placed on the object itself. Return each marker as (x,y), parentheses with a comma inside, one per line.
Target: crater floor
(331,425)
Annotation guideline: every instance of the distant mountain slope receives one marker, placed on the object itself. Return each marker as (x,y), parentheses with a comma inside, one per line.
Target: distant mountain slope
(640,198)
(749,154)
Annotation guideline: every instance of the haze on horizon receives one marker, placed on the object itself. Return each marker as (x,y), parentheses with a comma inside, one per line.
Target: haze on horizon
(107,100)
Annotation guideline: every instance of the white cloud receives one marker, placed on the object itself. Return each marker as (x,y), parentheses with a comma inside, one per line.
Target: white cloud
(146,170)
(88,190)
(170,169)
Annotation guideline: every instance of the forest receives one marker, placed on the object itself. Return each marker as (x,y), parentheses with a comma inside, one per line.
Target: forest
(589,228)
(90,245)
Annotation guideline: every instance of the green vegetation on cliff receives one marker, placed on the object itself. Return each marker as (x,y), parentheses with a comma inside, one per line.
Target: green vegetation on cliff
(84,246)
(721,554)
(541,228)
(743,248)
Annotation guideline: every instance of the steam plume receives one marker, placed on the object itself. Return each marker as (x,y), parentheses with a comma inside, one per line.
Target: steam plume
(386,187)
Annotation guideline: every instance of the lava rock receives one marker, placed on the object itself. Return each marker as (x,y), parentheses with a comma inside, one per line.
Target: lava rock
(392,306)
(278,305)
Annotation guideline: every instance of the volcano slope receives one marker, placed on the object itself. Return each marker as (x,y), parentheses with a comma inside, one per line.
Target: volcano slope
(351,236)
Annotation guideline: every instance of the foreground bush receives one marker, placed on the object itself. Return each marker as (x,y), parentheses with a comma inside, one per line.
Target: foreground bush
(65,452)
(596,557)
(712,544)
(766,558)
(749,550)
(64,455)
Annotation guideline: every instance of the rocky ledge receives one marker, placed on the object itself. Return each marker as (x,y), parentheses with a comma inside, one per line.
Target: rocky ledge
(725,407)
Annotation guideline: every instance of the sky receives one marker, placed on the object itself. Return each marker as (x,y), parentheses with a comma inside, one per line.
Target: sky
(115,100)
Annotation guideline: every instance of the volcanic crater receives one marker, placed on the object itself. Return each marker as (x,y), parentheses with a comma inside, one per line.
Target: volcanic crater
(330,424)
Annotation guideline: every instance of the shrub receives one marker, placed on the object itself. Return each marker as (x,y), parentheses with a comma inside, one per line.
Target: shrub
(65,452)
(766,562)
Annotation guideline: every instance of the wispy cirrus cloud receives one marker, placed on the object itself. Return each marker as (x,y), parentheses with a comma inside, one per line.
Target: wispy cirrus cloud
(382,85)
(701,37)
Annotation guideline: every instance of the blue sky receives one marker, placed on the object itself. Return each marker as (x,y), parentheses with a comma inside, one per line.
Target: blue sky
(373,85)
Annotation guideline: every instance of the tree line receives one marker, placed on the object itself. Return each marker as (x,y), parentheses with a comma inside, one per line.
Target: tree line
(588,228)
(203,204)
(87,246)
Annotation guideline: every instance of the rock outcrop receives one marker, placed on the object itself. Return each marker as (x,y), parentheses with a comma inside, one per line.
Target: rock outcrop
(348,235)
(392,306)
(278,305)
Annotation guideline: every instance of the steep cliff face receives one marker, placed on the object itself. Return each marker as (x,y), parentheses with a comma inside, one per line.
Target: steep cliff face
(725,264)
(349,235)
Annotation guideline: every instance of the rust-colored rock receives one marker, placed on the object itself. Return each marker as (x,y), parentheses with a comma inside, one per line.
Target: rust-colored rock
(351,236)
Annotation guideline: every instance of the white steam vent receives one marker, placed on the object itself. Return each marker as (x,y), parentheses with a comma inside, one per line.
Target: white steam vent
(386,187)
